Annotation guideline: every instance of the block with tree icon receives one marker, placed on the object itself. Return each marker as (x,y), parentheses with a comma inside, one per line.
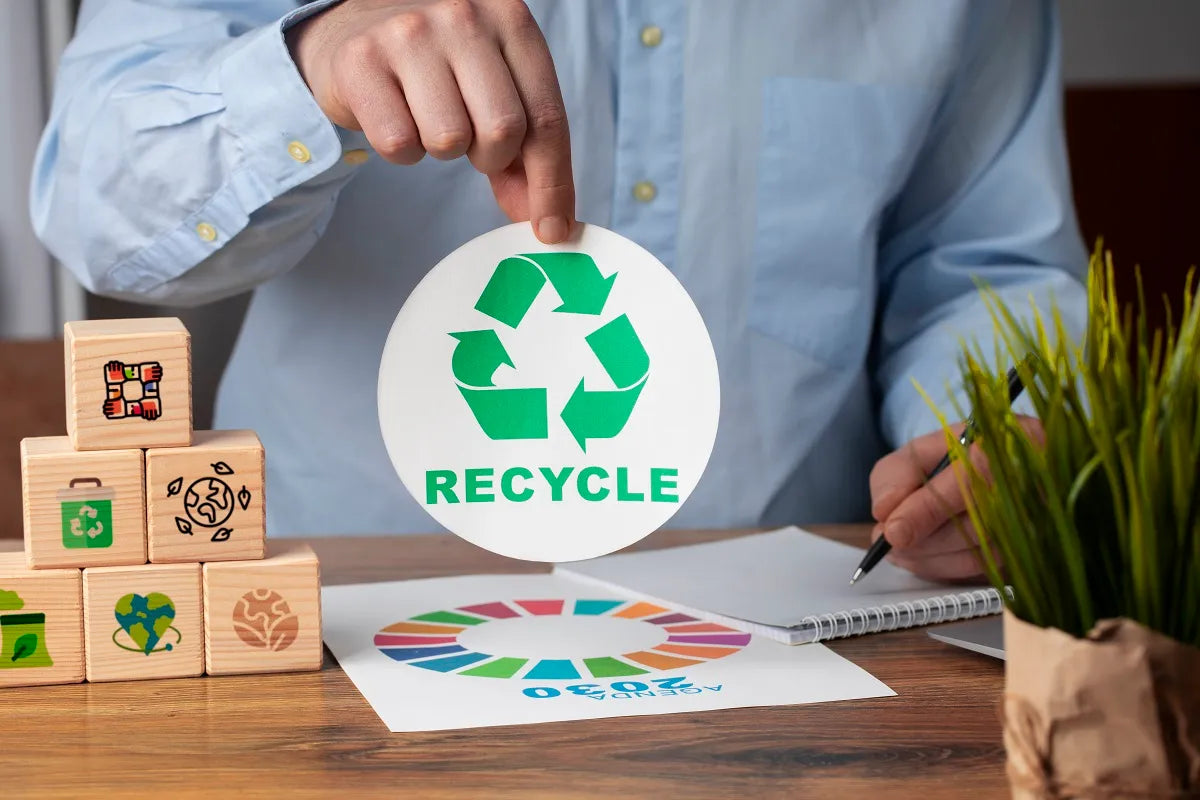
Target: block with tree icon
(41,624)
(205,502)
(263,616)
(129,383)
(143,622)
(82,509)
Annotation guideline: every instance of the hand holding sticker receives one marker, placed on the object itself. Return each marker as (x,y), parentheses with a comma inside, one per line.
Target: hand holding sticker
(549,403)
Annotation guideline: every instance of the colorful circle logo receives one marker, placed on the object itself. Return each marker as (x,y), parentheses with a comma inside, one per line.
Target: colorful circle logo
(443,641)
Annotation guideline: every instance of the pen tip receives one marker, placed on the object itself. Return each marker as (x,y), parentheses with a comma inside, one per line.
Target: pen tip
(857,574)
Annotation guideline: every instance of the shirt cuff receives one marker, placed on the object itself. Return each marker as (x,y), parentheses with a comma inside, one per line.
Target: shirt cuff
(284,139)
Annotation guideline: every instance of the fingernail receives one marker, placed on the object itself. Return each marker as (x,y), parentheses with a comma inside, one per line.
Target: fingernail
(552,230)
(899,533)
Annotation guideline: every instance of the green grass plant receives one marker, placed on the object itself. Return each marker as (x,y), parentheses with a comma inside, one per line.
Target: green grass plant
(1098,516)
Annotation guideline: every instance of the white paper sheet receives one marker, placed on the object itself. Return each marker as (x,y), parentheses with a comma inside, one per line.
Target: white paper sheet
(769,583)
(557,650)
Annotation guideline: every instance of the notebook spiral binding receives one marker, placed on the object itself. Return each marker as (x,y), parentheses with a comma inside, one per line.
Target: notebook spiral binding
(893,616)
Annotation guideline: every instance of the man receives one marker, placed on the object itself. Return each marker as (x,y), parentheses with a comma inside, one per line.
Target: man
(826,178)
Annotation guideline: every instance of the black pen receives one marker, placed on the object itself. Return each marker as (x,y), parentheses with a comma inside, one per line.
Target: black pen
(880,547)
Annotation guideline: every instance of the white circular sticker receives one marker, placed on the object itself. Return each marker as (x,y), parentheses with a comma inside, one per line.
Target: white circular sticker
(549,403)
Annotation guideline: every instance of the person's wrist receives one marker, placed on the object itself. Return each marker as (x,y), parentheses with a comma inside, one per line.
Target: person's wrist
(301,37)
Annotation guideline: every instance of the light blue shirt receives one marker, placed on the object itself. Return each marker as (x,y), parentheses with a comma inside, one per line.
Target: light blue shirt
(830,176)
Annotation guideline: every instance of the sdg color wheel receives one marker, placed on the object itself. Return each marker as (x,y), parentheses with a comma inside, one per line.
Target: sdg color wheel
(431,641)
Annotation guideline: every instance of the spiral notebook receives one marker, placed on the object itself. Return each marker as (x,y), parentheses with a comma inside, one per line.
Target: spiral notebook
(789,585)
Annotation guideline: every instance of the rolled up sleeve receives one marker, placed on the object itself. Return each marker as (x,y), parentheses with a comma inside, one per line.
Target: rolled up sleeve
(185,159)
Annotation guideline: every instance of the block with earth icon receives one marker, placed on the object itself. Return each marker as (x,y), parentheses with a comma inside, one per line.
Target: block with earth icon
(41,624)
(143,622)
(263,616)
(82,509)
(205,502)
(129,383)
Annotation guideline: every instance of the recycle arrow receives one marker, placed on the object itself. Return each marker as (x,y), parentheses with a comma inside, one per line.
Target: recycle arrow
(522,413)
(502,413)
(477,357)
(517,280)
(603,414)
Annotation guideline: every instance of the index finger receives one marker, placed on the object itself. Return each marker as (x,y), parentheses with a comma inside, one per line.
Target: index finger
(903,471)
(546,151)
(925,510)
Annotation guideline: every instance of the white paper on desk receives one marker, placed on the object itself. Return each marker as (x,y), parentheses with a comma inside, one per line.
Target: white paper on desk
(770,583)
(572,643)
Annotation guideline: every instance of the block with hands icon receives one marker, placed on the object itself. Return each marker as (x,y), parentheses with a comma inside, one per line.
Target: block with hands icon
(128,383)
(132,390)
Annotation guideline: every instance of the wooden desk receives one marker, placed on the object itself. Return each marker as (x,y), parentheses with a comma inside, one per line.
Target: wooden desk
(313,735)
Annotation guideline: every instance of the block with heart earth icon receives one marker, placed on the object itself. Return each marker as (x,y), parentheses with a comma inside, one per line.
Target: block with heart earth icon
(205,502)
(41,624)
(143,622)
(263,616)
(129,383)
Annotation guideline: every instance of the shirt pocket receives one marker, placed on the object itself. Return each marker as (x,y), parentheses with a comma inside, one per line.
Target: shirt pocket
(832,156)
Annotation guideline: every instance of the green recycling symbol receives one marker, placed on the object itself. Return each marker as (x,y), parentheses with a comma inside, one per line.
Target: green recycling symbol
(522,413)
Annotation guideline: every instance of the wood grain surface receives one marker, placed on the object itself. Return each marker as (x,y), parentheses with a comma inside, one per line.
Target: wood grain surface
(49,604)
(90,345)
(112,655)
(237,597)
(109,484)
(312,734)
(179,481)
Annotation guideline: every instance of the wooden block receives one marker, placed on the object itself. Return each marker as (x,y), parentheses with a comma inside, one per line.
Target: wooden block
(82,509)
(205,502)
(129,383)
(143,622)
(263,616)
(41,624)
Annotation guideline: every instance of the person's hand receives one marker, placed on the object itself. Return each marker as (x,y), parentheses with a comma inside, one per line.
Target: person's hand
(449,78)
(926,521)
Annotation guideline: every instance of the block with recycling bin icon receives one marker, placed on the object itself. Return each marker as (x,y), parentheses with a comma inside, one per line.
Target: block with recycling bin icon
(129,383)
(82,509)
(205,502)
(41,624)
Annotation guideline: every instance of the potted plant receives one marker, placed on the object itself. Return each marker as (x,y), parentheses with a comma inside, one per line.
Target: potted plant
(1091,527)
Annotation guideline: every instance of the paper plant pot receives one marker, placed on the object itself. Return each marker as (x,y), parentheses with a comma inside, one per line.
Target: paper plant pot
(1112,715)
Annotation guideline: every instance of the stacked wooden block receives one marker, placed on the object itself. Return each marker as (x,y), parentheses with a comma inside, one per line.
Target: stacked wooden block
(130,483)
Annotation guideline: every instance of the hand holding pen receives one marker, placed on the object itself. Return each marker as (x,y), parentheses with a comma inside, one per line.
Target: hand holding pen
(917,510)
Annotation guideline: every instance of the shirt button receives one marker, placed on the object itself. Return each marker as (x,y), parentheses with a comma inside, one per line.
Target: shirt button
(355,157)
(206,232)
(299,152)
(644,191)
(651,36)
